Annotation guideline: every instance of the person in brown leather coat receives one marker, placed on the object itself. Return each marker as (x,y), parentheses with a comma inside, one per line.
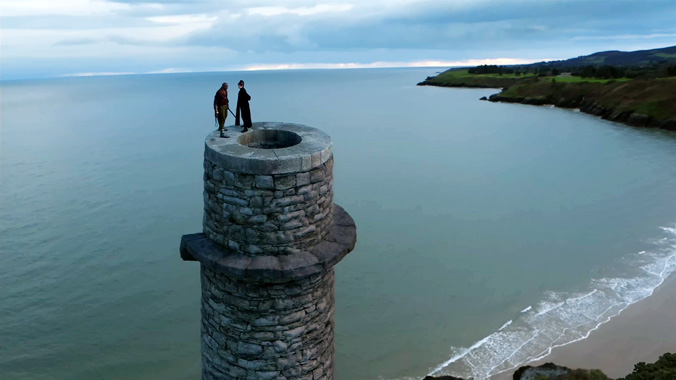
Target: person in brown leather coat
(221,104)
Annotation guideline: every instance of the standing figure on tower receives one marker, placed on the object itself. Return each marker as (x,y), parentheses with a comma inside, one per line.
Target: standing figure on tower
(243,107)
(221,104)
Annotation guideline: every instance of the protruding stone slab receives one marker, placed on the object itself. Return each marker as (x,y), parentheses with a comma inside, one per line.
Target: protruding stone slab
(340,241)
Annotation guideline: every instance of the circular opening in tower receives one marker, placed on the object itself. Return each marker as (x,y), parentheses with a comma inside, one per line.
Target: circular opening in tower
(269,139)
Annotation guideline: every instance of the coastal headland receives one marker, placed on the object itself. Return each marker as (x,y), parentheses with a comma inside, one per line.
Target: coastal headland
(635,88)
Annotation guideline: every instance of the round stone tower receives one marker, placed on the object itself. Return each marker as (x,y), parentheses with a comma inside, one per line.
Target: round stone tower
(271,236)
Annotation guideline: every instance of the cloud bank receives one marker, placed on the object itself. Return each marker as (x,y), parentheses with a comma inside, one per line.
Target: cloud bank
(53,38)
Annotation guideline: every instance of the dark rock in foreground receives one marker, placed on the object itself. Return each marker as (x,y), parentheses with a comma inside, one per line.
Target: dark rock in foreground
(663,369)
(545,371)
(443,378)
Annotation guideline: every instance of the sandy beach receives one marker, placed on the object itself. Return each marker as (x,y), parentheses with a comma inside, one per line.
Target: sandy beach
(642,332)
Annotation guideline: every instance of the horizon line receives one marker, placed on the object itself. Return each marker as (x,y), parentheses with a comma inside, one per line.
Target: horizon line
(307,66)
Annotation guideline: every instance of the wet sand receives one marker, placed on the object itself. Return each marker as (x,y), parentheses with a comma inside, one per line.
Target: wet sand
(641,333)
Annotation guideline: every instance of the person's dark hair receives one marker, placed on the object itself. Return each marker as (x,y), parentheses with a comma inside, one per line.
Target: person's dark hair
(241,83)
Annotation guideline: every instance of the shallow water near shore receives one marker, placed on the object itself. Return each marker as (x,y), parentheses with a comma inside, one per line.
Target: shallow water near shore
(487,233)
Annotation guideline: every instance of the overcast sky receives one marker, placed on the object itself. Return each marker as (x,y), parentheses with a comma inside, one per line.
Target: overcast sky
(46,38)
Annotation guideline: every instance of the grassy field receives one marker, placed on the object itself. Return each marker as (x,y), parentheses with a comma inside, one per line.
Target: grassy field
(461,78)
(572,79)
(655,98)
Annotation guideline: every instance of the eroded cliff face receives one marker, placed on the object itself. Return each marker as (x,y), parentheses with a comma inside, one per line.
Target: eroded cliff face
(637,102)
(630,117)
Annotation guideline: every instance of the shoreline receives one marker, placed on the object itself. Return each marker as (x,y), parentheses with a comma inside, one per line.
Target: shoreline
(629,118)
(642,332)
(589,98)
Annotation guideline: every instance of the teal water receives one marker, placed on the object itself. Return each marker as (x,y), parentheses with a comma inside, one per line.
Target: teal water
(487,233)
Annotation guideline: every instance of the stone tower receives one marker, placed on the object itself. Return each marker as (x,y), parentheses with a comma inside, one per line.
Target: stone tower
(271,236)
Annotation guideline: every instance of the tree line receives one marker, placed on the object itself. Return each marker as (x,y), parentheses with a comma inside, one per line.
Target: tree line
(588,71)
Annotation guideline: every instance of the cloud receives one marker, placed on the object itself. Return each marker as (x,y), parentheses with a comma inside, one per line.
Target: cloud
(426,25)
(170,70)
(155,34)
(628,37)
(300,11)
(184,19)
(101,73)
(381,64)
(11,8)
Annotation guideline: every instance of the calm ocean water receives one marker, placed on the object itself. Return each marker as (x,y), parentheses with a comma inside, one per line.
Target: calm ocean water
(488,233)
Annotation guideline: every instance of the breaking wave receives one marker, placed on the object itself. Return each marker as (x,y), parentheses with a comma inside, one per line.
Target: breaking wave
(562,318)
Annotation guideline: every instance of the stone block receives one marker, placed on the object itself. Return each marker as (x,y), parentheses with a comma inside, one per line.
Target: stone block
(285,182)
(292,224)
(283,303)
(228,178)
(304,190)
(316,158)
(293,317)
(252,249)
(251,364)
(256,202)
(281,346)
(266,321)
(233,245)
(263,336)
(312,195)
(244,181)
(264,182)
(236,371)
(258,219)
(287,216)
(248,349)
(236,201)
(267,375)
(294,333)
(229,192)
(318,373)
(317,175)
(294,371)
(305,232)
(302,179)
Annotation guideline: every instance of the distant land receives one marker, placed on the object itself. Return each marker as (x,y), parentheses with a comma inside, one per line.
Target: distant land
(636,88)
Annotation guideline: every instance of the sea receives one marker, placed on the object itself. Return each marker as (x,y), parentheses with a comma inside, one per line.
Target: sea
(488,233)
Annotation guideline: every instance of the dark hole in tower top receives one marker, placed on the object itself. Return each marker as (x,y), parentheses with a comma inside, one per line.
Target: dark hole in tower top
(269,139)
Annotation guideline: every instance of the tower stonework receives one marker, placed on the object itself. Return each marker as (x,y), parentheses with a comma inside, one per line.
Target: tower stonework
(271,236)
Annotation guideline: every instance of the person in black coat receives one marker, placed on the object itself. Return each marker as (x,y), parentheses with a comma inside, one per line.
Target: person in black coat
(243,107)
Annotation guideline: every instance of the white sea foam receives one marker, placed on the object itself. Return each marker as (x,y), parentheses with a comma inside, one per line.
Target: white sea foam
(505,325)
(563,318)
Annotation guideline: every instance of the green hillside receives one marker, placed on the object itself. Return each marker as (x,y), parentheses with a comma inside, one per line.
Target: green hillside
(637,88)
